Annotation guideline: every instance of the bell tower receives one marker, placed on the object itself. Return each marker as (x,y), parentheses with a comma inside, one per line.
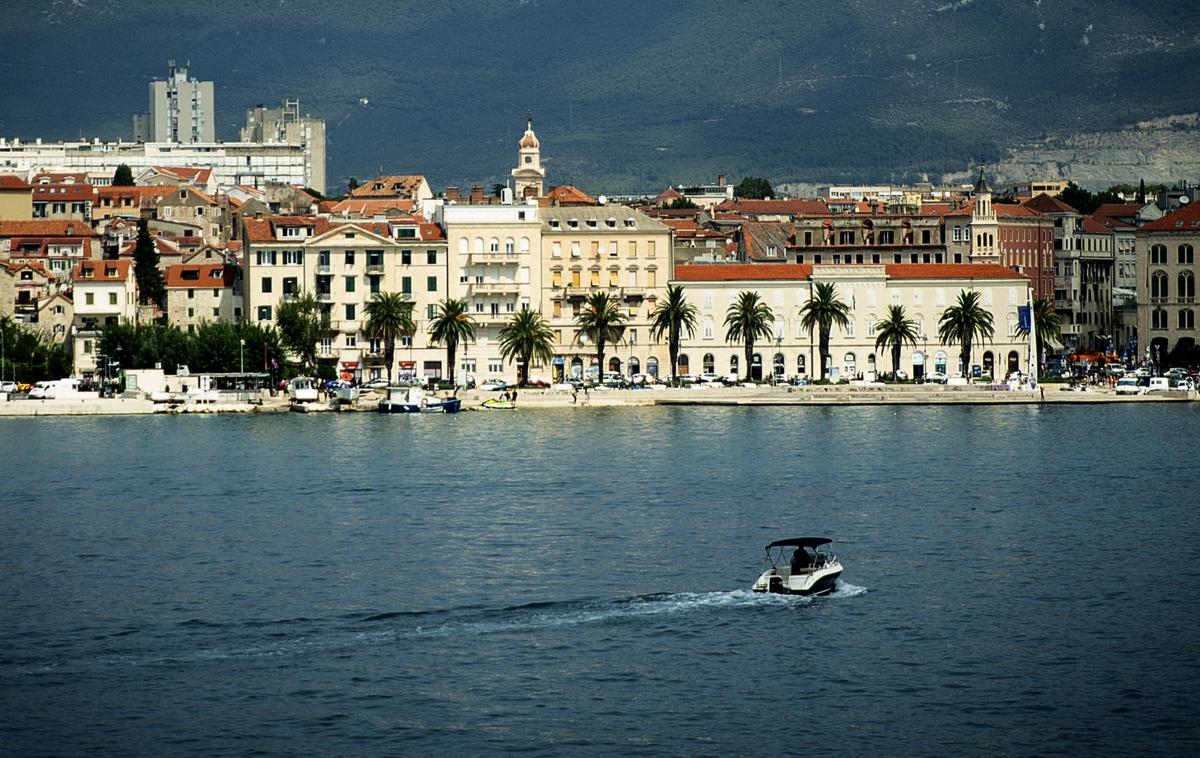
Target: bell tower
(528,176)
(984,225)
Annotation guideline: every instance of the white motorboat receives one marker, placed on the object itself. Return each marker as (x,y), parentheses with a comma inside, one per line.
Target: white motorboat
(799,566)
(303,389)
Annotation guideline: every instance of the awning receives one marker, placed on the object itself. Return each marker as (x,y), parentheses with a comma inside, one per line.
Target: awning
(349,365)
(408,364)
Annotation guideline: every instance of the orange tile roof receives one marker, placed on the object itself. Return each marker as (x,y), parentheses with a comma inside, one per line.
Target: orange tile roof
(185,173)
(191,275)
(566,194)
(44,228)
(370,206)
(56,192)
(1043,203)
(103,271)
(13,182)
(396,185)
(1186,219)
(1092,226)
(775,207)
(724,272)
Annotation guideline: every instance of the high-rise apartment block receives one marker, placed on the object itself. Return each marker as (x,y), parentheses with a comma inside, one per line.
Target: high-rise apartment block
(181,109)
(286,125)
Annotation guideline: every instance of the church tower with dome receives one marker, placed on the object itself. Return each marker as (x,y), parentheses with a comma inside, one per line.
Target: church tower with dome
(528,177)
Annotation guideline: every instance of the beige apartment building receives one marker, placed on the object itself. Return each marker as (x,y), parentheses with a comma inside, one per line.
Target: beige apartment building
(344,264)
(925,290)
(1166,285)
(105,292)
(495,250)
(606,248)
(199,292)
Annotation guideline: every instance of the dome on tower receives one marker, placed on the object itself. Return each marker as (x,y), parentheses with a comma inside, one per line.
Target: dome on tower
(529,139)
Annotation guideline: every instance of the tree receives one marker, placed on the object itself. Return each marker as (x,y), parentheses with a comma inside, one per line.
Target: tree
(748,320)
(673,316)
(1047,322)
(352,184)
(123,176)
(450,326)
(753,188)
(30,356)
(601,320)
(151,288)
(680,204)
(821,312)
(300,326)
(894,331)
(526,337)
(962,322)
(389,316)
(1141,193)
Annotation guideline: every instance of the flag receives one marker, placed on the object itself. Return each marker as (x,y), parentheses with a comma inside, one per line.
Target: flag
(1025,317)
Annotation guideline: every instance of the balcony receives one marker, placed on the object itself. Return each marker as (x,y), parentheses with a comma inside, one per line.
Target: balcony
(633,293)
(324,268)
(374,268)
(493,287)
(494,258)
(324,297)
(491,319)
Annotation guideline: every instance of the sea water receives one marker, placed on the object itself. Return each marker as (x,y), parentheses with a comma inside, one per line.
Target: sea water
(1017,580)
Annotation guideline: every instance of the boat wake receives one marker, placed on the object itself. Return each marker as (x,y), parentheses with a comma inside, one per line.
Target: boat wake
(199,642)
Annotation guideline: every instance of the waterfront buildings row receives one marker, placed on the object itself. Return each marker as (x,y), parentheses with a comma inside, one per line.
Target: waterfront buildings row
(236,252)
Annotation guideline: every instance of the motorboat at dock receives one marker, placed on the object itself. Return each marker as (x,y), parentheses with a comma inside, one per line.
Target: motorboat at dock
(799,566)
(415,400)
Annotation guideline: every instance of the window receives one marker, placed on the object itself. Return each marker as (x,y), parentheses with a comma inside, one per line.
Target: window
(1158,254)
(574,249)
(265,257)
(1158,284)
(89,298)
(373,281)
(350,284)
(556,278)
(846,238)
(1185,255)
(293,257)
(349,257)
(595,279)
(509,246)
(1158,319)
(406,340)
(266,284)
(191,313)
(556,309)
(405,257)
(1187,319)
(556,250)
(1187,285)
(871,320)
(708,327)
(350,311)
(431,283)
(431,257)
(87,346)
(406,285)
(264,313)
(216,313)
(351,340)
(112,297)
(494,245)
(612,278)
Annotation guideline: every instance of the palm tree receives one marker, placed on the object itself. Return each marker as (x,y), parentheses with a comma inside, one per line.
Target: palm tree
(450,326)
(602,321)
(389,316)
(673,316)
(747,320)
(894,331)
(962,322)
(526,337)
(821,312)
(1048,324)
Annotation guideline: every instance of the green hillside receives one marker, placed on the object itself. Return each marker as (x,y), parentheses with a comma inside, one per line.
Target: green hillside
(625,95)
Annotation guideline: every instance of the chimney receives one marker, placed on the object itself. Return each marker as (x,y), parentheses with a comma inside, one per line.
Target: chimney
(452,193)
(476,194)
(720,180)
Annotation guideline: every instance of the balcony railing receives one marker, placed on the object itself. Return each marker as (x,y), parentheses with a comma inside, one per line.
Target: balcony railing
(494,287)
(485,258)
(324,268)
(374,268)
(325,297)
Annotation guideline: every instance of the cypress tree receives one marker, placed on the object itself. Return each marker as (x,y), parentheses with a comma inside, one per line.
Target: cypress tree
(151,288)
(123,177)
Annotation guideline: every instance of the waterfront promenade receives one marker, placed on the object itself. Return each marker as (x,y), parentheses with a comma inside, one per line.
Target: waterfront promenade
(764,395)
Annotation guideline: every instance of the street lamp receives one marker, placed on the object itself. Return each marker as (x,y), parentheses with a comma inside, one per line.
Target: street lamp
(242,355)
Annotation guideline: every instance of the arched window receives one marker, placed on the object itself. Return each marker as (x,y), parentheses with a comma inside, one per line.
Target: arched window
(634,366)
(756,367)
(524,244)
(778,366)
(849,362)
(709,364)
(708,327)
(1187,319)
(683,364)
(939,362)
(652,366)
(577,367)
(989,362)
(733,364)
(801,368)
(494,245)
(871,319)
(1158,254)
(1187,285)
(1186,255)
(479,245)
(1014,361)
(510,247)
(464,246)
(1158,284)
(614,364)
(1158,319)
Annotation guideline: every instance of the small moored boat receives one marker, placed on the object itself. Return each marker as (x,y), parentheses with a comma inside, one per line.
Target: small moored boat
(414,400)
(496,404)
(799,566)
(303,389)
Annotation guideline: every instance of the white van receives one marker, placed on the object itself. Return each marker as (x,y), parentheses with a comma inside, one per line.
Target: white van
(1159,384)
(56,388)
(1128,385)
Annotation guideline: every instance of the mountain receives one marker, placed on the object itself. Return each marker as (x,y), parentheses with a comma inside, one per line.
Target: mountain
(624,95)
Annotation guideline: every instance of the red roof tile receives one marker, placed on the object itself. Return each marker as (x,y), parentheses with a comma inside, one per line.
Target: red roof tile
(775,207)
(194,275)
(43,228)
(13,182)
(724,272)
(103,271)
(1043,203)
(1186,219)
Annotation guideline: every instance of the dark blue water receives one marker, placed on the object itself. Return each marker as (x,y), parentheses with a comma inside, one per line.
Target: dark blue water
(1018,581)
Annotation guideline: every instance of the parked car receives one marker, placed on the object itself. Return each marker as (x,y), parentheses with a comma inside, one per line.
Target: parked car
(710,378)
(935,377)
(493,385)
(1129,385)
(375,384)
(9,387)
(51,389)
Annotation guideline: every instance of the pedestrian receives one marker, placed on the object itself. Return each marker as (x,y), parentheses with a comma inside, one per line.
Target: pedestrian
(574,396)
(1043,391)
(514,398)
